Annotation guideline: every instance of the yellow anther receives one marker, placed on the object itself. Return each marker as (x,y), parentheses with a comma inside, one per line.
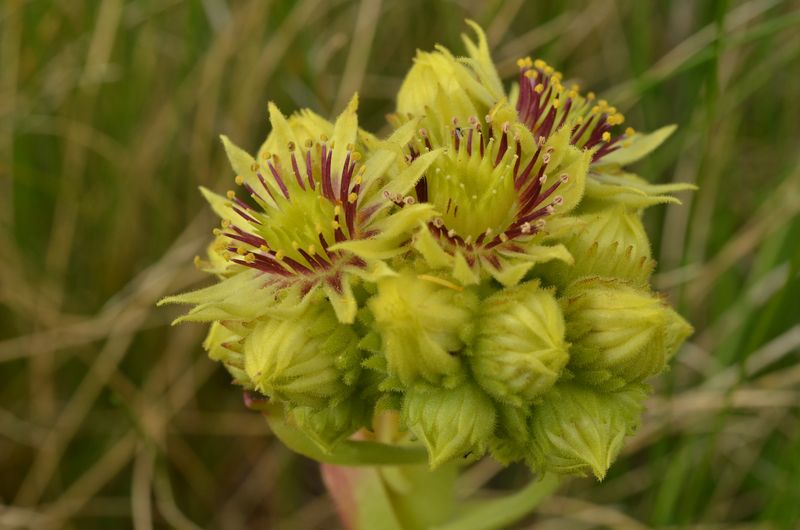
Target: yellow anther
(312,249)
(579,121)
(350,147)
(197,262)
(228,255)
(225,223)
(355,156)
(291,146)
(575,87)
(265,155)
(295,245)
(538,88)
(241,251)
(239,180)
(230,194)
(352,198)
(309,143)
(358,179)
(250,257)
(279,255)
(254,167)
(323,137)
(335,224)
(538,63)
(264,248)
(503,237)
(548,70)
(318,228)
(606,136)
(556,103)
(216,232)
(590,96)
(337,210)
(530,74)
(629,132)
(521,63)
(572,94)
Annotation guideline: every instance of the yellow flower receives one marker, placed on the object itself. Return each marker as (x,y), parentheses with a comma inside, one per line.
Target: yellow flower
(440,85)
(314,187)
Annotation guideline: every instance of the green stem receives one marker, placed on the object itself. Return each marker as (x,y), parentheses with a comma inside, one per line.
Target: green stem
(495,514)
(347,453)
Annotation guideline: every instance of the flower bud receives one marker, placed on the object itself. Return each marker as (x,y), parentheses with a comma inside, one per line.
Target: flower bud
(308,360)
(452,423)
(619,334)
(519,350)
(422,325)
(330,425)
(609,243)
(576,429)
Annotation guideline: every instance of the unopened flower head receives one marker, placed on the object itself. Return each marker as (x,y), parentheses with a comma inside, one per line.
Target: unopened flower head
(482,273)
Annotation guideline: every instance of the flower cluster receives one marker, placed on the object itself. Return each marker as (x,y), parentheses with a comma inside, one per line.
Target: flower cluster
(483,271)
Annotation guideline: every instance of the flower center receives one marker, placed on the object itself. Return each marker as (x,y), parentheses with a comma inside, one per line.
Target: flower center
(485,188)
(302,206)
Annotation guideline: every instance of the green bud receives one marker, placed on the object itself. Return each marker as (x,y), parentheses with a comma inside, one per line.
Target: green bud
(308,360)
(610,243)
(519,350)
(330,425)
(225,345)
(619,334)
(576,429)
(452,423)
(422,325)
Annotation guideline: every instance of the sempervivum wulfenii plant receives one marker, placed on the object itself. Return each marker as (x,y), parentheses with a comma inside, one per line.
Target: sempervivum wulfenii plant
(475,283)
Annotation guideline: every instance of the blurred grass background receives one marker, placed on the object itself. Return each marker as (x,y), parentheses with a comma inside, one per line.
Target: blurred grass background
(109,116)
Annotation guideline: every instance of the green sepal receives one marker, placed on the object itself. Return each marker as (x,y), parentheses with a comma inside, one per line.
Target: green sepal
(328,426)
(454,424)
(576,429)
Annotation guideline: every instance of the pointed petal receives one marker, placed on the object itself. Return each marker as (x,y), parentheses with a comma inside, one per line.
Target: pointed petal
(222,207)
(426,244)
(402,183)
(394,232)
(345,132)
(463,272)
(640,146)
(340,293)
(482,60)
